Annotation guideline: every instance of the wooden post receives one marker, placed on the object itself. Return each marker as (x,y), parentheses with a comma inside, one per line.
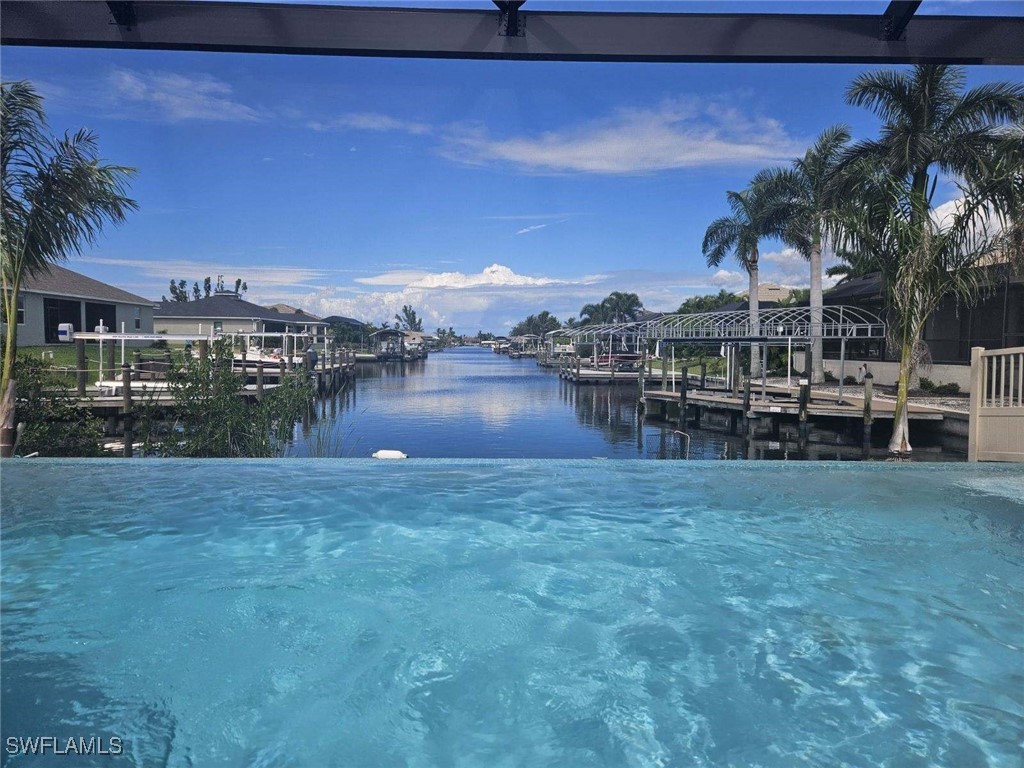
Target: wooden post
(746,403)
(977,396)
(289,346)
(110,352)
(664,370)
(640,378)
(204,349)
(805,400)
(281,370)
(81,370)
(577,370)
(259,381)
(137,364)
(703,375)
(126,403)
(868,417)
(683,387)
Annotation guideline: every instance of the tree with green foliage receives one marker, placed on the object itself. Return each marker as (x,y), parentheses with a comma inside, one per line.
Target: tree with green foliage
(537,325)
(56,197)
(708,303)
(616,307)
(808,206)
(930,126)
(739,235)
(407,320)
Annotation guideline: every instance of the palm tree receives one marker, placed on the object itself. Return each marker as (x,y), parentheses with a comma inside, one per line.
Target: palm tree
(929,124)
(805,194)
(922,260)
(591,314)
(738,235)
(56,197)
(622,307)
(929,121)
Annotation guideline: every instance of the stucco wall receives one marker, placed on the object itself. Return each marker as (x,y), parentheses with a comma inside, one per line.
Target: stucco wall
(33,332)
(887,373)
(203,325)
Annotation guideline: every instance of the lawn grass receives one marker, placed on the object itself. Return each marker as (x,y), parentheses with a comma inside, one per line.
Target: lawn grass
(62,358)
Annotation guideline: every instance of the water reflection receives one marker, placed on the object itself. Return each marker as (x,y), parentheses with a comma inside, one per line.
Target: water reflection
(471,403)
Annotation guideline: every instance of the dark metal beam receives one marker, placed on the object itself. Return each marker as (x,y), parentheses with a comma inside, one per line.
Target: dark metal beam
(511,22)
(472,34)
(897,16)
(123,13)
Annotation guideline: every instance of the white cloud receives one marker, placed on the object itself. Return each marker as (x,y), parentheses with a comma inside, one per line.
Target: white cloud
(533,228)
(259,278)
(369,121)
(788,268)
(176,97)
(727,278)
(677,134)
(397,277)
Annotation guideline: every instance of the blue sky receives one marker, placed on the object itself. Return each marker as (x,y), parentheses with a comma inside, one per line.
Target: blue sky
(476,191)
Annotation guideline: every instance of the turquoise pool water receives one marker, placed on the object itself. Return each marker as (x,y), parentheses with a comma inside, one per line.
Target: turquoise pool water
(474,613)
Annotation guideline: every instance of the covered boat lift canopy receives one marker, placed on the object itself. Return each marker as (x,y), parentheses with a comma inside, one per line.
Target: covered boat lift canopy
(787,326)
(794,324)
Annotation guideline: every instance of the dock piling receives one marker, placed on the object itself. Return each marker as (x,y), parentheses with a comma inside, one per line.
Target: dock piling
(110,352)
(868,416)
(259,381)
(805,400)
(126,404)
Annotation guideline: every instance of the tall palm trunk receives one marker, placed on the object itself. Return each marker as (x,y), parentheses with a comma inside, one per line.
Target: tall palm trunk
(755,325)
(8,389)
(818,366)
(900,440)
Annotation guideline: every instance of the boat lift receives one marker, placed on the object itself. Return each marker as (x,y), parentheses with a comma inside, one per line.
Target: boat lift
(787,326)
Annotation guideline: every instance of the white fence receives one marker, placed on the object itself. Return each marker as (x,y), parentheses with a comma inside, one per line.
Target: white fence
(997,405)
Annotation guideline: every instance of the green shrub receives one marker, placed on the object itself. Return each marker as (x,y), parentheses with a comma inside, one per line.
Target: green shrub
(952,388)
(54,424)
(926,385)
(213,420)
(831,377)
(850,380)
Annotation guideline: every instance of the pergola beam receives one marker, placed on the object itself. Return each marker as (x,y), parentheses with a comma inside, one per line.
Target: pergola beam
(896,18)
(476,34)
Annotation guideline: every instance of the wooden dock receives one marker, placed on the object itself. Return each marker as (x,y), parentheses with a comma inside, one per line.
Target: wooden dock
(782,401)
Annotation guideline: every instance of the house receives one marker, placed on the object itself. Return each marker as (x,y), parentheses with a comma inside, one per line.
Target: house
(61,295)
(995,321)
(294,312)
(770,292)
(228,312)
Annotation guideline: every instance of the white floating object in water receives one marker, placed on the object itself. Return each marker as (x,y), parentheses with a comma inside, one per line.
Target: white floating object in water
(389,454)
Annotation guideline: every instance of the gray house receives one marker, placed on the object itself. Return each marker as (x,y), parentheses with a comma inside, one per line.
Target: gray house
(228,312)
(62,296)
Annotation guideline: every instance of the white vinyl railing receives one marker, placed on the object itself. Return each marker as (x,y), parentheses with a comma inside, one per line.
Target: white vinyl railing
(996,430)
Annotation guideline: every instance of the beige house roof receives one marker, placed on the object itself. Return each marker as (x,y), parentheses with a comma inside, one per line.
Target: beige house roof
(288,309)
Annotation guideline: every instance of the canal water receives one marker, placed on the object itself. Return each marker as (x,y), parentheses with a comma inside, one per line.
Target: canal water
(471,403)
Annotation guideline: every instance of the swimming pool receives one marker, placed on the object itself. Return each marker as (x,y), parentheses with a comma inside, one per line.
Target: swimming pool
(527,613)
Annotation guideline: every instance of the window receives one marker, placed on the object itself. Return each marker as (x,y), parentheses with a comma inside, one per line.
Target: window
(21,311)
(138,318)
(218,326)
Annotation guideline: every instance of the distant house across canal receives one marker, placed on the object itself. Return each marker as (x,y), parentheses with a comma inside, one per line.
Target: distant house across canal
(60,296)
(228,312)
